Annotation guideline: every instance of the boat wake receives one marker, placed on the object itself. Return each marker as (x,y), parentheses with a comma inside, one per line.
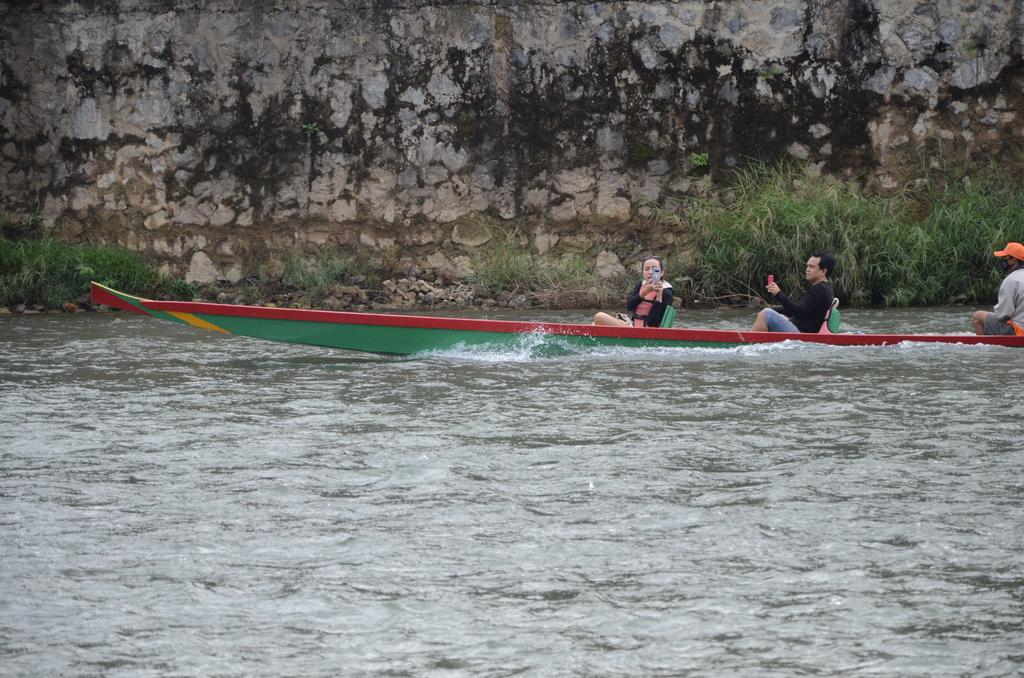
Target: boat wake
(537,346)
(528,347)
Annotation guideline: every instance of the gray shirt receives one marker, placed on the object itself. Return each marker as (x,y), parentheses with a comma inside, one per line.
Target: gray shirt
(1011,297)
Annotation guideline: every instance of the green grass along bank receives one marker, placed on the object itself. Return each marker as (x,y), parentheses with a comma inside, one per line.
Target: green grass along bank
(928,246)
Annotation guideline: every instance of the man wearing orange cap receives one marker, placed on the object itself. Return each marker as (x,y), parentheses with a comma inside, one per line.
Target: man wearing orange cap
(1008,315)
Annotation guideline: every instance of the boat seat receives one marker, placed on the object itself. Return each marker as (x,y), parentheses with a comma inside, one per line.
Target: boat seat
(668,317)
(833,319)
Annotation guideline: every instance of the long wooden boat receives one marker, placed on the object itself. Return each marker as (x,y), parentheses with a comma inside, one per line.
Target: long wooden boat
(409,334)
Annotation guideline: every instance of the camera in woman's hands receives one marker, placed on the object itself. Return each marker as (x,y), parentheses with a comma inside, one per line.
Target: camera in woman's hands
(655,275)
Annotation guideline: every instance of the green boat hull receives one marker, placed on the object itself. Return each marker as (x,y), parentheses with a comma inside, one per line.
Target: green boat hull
(411,334)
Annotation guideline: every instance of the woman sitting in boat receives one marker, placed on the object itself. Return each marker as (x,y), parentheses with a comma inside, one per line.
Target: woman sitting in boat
(647,301)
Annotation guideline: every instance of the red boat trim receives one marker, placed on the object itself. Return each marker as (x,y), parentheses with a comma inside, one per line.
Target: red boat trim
(519,327)
(446,323)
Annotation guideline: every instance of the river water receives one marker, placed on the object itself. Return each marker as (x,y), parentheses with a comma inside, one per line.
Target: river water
(176,502)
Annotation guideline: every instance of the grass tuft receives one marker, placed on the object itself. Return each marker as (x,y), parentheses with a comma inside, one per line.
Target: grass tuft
(506,265)
(315,278)
(573,283)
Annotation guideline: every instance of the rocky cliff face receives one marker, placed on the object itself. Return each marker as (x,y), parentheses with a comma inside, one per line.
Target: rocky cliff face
(218,133)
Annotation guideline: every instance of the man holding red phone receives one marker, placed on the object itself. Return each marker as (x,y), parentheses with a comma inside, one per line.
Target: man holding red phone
(809,313)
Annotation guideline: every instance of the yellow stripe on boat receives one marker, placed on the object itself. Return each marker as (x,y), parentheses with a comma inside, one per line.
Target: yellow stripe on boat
(197,322)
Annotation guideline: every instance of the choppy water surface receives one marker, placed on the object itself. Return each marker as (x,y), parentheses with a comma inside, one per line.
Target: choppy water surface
(179,502)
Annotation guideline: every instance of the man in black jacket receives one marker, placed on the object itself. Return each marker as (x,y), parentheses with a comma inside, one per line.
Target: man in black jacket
(809,313)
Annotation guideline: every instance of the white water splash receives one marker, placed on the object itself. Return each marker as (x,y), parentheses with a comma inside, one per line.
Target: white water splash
(539,346)
(528,347)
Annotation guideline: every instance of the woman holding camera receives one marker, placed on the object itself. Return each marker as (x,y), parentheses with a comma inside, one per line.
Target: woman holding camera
(647,301)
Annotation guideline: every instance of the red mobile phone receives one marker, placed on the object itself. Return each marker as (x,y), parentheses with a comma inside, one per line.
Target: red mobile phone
(771,278)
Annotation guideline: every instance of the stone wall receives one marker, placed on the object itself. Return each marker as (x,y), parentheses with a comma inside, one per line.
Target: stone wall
(216,135)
